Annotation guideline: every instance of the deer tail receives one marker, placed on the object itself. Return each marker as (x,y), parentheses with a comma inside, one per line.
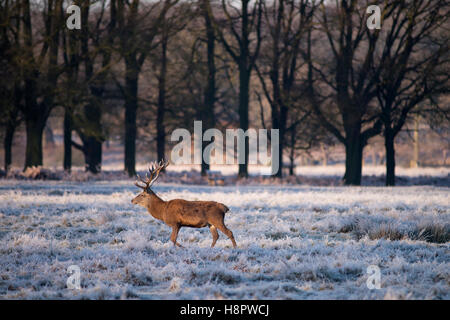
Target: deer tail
(224,208)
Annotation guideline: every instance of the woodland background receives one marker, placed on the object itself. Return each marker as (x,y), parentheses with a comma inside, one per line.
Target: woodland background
(113,91)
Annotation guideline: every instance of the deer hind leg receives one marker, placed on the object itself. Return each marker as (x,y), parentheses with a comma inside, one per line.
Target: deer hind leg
(174,235)
(227,232)
(215,235)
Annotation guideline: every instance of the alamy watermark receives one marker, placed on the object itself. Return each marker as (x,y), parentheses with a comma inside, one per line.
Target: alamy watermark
(374,279)
(374,20)
(213,153)
(73,281)
(74,20)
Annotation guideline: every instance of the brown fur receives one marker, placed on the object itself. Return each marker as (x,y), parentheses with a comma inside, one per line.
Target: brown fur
(180,213)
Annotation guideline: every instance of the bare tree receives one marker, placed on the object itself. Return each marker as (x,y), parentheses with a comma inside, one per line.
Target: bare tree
(72,59)
(171,25)
(287,23)
(10,82)
(207,113)
(344,81)
(415,51)
(92,48)
(138,31)
(244,27)
(40,71)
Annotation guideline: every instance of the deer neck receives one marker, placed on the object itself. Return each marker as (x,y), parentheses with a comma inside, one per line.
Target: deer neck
(155,205)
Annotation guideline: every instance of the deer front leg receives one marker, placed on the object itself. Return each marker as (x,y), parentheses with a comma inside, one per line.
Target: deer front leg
(174,235)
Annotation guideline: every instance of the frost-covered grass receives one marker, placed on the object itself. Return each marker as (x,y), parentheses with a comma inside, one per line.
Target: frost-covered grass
(313,171)
(293,243)
(330,175)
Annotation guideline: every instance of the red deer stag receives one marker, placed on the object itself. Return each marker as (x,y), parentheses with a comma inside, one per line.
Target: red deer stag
(179,213)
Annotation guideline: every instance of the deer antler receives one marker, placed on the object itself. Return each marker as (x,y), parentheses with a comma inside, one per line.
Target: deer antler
(152,175)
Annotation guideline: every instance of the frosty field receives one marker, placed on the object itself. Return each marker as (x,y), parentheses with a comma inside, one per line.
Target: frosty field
(294,242)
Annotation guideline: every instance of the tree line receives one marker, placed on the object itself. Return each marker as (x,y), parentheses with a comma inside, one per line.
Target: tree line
(316,66)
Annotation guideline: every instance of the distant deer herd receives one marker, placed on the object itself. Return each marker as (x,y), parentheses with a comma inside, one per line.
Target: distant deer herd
(179,213)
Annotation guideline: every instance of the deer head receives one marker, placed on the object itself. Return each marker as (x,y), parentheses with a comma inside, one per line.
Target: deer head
(145,184)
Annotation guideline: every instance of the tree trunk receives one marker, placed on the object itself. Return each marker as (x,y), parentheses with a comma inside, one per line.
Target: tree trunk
(283,123)
(292,162)
(93,154)
(279,173)
(49,137)
(324,154)
(244,79)
(210,92)
(390,157)
(353,159)
(415,161)
(279,120)
(8,140)
(160,137)
(204,166)
(130,123)
(161,134)
(67,140)
(34,131)
(92,141)
(291,167)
